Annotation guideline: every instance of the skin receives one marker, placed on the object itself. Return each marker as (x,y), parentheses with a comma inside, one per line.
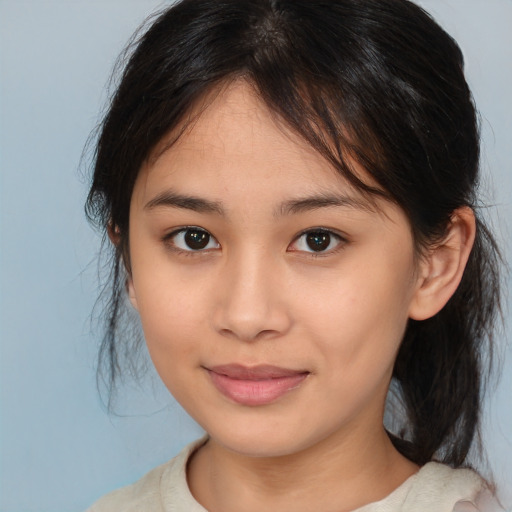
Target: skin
(257,294)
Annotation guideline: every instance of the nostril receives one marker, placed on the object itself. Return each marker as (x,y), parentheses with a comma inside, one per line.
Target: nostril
(227,333)
(248,306)
(248,335)
(267,333)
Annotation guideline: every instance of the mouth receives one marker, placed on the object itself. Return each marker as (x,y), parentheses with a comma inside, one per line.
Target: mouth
(256,385)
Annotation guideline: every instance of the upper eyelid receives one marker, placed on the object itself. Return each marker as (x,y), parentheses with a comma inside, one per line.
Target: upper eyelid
(321,229)
(342,241)
(174,232)
(180,229)
(339,235)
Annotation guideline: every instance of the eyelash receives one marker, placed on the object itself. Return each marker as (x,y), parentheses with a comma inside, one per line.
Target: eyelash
(341,241)
(169,240)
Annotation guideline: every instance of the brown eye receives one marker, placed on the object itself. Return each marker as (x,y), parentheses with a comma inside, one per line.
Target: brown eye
(196,240)
(318,241)
(193,239)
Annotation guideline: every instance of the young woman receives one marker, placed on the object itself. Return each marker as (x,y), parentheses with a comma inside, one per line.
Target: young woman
(289,187)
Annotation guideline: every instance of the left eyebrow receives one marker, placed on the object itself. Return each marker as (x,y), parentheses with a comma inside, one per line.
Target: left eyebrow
(316,202)
(171,199)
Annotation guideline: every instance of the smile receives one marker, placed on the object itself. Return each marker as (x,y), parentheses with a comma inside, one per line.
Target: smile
(259,385)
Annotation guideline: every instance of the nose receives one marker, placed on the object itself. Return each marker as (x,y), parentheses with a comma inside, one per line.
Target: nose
(252,301)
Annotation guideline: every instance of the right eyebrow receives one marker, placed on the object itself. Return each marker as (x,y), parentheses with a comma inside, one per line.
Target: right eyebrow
(171,199)
(316,202)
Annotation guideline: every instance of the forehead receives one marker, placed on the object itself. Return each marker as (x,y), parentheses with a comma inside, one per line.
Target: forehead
(234,120)
(231,138)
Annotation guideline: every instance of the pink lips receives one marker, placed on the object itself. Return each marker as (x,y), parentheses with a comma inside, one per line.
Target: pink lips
(258,385)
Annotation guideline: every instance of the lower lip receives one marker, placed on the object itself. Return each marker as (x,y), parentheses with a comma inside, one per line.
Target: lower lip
(256,392)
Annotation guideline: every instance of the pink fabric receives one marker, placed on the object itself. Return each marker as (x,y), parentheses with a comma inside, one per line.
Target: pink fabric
(465,506)
(485,502)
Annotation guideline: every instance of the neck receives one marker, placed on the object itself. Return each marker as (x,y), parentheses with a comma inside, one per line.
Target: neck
(340,473)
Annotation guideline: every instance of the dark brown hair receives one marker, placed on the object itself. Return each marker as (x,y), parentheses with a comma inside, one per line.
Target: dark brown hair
(378,80)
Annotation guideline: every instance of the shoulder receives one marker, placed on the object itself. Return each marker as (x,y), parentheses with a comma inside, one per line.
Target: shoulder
(142,495)
(161,490)
(444,489)
(439,479)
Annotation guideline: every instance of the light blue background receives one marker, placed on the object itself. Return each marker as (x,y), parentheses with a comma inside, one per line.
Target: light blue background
(59,449)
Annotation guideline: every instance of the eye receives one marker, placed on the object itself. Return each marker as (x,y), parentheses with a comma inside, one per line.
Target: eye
(192,239)
(317,241)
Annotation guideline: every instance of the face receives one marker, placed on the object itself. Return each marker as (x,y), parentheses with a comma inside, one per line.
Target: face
(272,296)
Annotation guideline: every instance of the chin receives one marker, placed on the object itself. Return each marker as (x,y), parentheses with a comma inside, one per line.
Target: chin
(264,441)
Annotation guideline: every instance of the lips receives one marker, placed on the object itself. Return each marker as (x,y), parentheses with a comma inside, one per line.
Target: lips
(257,385)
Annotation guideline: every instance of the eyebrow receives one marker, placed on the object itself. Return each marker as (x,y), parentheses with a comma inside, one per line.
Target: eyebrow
(171,199)
(300,205)
(174,200)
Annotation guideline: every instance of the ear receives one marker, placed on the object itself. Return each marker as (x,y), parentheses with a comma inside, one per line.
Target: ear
(131,292)
(441,269)
(114,233)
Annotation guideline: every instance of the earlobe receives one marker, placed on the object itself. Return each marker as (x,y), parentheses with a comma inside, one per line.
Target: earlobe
(114,233)
(131,292)
(442,268)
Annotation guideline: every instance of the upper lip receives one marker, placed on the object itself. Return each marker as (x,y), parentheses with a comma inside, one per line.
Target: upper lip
(258,372)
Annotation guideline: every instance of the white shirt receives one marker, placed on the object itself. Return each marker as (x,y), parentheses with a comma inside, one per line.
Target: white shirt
(434,488)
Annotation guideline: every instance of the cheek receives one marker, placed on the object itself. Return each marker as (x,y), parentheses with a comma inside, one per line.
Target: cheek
(168,313)
(170,307)
(360,315)
(171,338)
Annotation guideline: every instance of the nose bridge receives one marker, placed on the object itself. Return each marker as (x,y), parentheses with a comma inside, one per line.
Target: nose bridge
(251,301)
